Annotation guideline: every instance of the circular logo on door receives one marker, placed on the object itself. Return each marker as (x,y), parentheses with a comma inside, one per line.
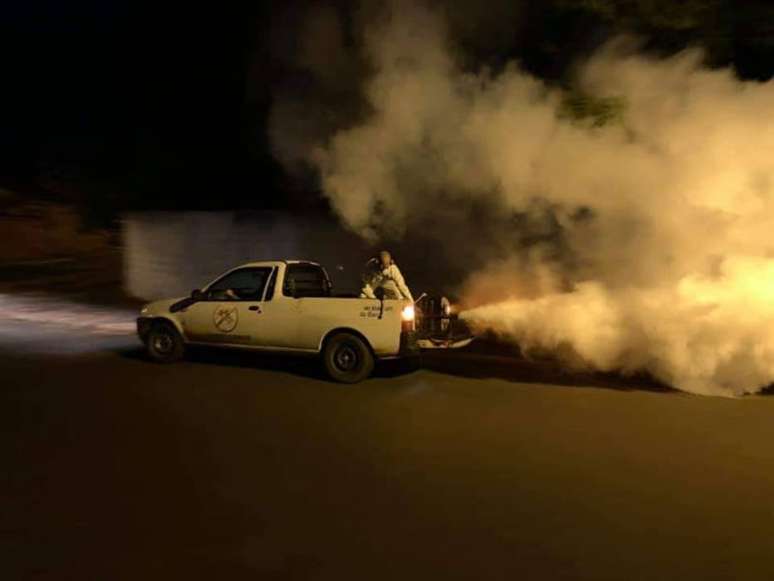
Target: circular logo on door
(226,318)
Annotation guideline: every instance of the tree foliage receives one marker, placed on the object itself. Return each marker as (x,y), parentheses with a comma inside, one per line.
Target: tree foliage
(657,14)
(593,111)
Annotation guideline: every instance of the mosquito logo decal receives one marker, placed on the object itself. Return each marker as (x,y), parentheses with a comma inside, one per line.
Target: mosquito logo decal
(226,319)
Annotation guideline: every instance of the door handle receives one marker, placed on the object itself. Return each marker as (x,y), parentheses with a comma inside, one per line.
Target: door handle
(253,308)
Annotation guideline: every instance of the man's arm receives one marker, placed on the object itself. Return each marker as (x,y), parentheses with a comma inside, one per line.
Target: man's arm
(396,276)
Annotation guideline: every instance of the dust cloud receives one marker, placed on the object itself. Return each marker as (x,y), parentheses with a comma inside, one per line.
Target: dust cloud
(645,244)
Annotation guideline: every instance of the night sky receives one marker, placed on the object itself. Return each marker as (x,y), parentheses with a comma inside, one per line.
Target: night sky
(131,105)
(148,100)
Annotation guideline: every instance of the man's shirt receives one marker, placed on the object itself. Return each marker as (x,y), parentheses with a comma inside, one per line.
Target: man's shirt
(391,280)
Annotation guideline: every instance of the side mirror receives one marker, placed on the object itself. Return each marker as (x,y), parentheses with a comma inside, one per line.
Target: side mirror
(197,295)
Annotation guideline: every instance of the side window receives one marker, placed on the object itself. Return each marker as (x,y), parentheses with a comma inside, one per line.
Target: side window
(305,280)
(245,284)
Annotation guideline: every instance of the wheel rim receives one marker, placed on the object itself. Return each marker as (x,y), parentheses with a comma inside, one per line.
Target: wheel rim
(163,343)
(346,358)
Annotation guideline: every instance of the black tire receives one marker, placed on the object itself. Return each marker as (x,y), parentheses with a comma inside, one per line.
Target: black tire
(164,344)
(347,359)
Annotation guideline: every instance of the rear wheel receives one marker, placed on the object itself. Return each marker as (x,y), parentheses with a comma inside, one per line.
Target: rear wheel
(347,359)
(164,344)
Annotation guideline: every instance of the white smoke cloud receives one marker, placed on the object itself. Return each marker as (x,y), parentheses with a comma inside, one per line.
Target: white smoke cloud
(659,252)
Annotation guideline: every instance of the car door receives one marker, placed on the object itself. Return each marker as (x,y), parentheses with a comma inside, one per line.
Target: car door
(286,322)
(306,292)
(231,312)
(280,318)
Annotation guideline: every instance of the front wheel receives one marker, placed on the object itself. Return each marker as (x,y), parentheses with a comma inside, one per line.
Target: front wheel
(347,359)
(164,344)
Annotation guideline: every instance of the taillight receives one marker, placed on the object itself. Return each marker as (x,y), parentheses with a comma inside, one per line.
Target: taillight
(407,316)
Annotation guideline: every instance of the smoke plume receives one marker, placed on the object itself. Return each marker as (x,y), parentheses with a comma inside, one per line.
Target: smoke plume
(643,244)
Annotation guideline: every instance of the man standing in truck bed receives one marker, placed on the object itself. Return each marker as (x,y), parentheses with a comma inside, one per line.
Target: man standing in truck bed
(382,274)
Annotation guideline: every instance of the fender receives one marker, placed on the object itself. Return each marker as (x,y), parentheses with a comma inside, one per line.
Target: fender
(144,324)
(349,330)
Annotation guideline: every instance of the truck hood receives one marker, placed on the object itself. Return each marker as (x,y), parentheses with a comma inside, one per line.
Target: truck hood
(157,308)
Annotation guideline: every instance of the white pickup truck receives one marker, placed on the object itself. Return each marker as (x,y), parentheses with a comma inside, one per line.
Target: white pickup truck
(283,305)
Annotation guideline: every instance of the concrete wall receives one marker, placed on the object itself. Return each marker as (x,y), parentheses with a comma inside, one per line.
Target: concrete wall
(170,253)
(39,231)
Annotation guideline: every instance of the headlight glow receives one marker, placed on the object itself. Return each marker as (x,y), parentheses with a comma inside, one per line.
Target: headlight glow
(408,313)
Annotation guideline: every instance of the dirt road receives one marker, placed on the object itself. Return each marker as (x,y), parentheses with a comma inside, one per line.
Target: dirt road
(236,467)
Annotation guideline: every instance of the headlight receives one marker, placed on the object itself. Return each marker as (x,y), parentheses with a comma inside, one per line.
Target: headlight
(145,310)
(408,313)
